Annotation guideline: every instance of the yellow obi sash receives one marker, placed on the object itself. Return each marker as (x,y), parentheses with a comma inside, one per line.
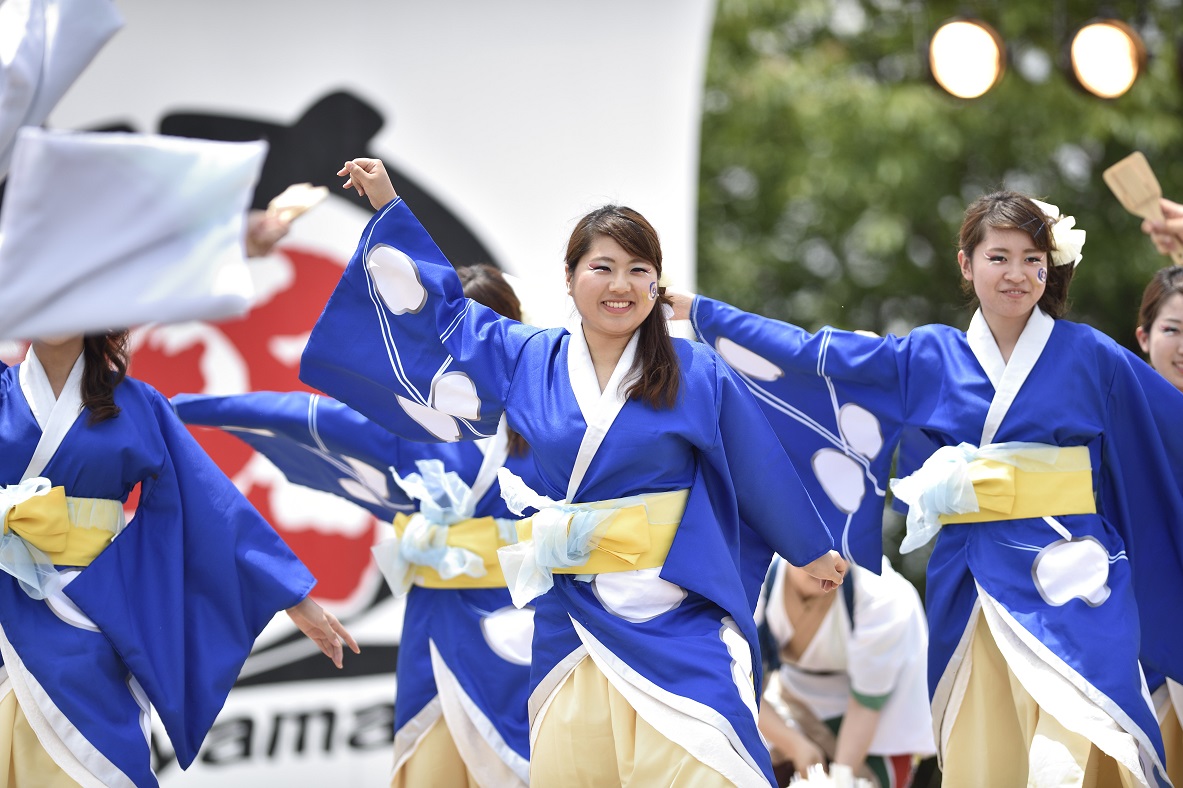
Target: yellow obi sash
(617,535)
(479,535)
(70,531)
(1032,489)
(1001,481)
(634,536)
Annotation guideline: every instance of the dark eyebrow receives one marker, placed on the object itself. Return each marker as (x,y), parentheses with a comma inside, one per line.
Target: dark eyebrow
(610,259)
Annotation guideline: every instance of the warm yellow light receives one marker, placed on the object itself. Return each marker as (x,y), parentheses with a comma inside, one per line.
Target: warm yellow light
(966,57)
(1106,58)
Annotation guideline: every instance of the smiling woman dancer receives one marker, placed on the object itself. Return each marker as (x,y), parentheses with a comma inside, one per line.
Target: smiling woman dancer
(1160,324)
(1040,458)
(662,491)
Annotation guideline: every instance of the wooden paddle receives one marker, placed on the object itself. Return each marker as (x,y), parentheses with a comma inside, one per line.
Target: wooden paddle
(1133,183)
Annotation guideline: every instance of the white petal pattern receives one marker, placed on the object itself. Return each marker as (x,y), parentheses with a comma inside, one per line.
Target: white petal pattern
(1067,570)
(861,430)
(751,364)
(509,632)
(441,425)
(455,393)
(397,278)
(841,478)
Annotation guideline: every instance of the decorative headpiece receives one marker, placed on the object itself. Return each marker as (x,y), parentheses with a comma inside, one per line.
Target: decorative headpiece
(1068,240)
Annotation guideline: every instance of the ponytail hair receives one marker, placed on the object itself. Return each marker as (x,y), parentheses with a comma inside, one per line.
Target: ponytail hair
(105,367)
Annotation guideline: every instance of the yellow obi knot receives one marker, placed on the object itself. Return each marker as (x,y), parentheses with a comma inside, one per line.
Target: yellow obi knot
(631,537)
(1001,481)
(479,535)
(1032,488)
(70,531)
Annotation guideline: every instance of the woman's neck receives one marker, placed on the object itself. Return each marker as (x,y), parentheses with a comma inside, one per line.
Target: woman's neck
(57,360)
(605,354)
(1006,332)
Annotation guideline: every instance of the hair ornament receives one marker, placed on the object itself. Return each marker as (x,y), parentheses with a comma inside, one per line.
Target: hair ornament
(1068,240)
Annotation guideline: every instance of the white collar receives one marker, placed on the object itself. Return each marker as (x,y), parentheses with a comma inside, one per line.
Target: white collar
(1007,377)
(599,408)
(55,416)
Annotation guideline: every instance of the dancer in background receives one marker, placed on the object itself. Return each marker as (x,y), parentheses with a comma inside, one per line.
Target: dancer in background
(661,490)
(1038,452)
(464,656)
(1160,334)
(1160,324)
(847,681)
(101,620)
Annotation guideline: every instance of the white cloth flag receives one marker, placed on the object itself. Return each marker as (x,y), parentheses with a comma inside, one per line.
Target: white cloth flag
(107,231)
(44,46)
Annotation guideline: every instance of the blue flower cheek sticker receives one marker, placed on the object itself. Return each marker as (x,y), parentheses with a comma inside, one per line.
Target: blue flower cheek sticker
(653,291)
(1041,274)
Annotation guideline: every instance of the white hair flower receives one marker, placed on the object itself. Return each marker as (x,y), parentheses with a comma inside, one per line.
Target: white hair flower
(1068,240)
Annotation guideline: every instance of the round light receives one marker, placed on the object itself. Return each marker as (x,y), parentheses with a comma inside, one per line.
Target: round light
(1106,57)
(966,57)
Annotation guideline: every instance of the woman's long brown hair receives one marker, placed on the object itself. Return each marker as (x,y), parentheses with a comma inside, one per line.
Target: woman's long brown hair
(484,284)
(655,369)
(106,357)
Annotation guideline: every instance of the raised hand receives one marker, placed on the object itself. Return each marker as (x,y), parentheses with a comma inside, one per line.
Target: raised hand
(371,180)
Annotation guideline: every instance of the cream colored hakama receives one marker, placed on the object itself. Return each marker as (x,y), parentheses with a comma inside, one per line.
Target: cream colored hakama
(1028,746)
(594,725)
(23,761)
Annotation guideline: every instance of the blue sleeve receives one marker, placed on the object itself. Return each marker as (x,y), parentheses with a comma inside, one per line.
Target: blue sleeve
(399,342)
(1141,494)
(836,402)
(772,500)
(185,589)
(316,442)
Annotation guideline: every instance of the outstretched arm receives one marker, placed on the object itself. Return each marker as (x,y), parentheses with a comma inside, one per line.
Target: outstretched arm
(835,401)
(398,340)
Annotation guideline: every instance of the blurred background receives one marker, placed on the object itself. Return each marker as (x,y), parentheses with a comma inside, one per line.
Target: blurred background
(797,156)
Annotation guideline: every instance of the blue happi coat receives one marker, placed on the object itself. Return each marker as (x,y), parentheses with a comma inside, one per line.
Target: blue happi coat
(479,640)
(842,402)
(398,338)
(169,610)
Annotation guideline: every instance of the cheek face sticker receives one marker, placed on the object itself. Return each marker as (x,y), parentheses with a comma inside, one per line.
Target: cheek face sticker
(1041,274)
(653,291)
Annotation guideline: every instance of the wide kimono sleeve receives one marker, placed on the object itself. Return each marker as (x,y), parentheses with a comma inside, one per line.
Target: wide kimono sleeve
(772,499)
(835,400)
(189,584)
(314,441)
(1141,494)
(399,342)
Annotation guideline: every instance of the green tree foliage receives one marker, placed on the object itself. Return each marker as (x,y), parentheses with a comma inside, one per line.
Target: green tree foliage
(834,174)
